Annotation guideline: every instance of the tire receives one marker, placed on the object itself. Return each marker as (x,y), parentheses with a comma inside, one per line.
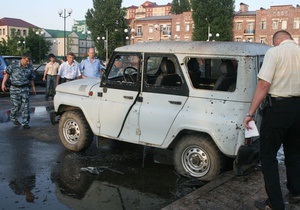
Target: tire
(74,131)
(197,156)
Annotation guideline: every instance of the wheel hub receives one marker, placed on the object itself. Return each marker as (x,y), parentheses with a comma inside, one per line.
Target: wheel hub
(195,161)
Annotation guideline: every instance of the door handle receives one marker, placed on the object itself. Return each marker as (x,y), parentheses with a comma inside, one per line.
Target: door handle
(128,97)
(175,102)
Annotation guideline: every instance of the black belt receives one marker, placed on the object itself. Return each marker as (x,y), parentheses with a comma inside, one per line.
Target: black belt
(20,86)
(69,79)
(295,98)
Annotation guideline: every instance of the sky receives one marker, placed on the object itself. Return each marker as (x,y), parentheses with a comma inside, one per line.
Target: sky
(44,14)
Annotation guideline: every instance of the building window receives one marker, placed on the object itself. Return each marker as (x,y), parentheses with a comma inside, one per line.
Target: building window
(150,29)
(24,33)
(177,27)
(238,26)
(3,31)
(0,32)
(263,40)
(139,31)
(263,25)
(250,28)
(284,25)
(238,39)
(296,24)
(275,24)
(187,27)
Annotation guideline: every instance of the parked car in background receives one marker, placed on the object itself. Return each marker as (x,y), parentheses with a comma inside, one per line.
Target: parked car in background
(5,61)
(39,74)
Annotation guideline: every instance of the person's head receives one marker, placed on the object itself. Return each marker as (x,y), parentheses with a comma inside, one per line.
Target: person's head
(25,59)
(51,57)
(280,36)
(118,63)
(91,53)
(70,57)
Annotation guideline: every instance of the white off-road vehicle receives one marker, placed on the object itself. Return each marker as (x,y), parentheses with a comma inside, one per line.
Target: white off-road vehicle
(188,97)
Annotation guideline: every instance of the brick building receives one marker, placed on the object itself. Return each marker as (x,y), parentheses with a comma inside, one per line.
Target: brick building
(249,26)
(260,25)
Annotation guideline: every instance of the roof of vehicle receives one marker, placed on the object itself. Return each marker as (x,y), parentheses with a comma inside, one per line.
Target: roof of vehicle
(198,47)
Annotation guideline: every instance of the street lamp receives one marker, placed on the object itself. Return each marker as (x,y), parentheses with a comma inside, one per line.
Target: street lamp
(56,43)
(19,42)
(39,33)
(130,34)
(60,12)
(208,30)
(160,28)
(87,34)
(105,40)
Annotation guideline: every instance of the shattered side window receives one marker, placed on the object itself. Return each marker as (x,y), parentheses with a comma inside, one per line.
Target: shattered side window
(212,74)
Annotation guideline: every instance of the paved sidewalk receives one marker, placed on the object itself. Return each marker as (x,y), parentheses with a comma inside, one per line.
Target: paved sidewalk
(228,192)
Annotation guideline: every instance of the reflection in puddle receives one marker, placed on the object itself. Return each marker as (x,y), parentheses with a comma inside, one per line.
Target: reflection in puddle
(117,180)
(39,110)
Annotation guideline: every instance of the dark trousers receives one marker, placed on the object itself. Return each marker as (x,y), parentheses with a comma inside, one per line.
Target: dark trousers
(281,125)
(50,85)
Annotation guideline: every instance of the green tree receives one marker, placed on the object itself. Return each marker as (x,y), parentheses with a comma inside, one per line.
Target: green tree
(180,6)
(37,45)
(33,43)
(216,15)
(175,9)
(107,16)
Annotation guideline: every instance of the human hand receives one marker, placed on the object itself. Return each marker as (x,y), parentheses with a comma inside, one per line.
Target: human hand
(247,119)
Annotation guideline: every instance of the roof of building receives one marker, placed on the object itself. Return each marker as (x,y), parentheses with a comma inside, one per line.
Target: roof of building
(57,33)
(16,22)
(248,13)
(164,17)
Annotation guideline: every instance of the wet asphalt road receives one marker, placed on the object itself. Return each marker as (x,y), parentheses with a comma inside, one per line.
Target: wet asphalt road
(37,172)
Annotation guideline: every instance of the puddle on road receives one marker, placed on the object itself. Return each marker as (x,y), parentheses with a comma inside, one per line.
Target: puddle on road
(38,110)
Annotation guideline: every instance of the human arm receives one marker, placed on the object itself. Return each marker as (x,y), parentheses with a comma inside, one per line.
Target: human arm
(45,72)
(5,78)
(260,92)
(33,86)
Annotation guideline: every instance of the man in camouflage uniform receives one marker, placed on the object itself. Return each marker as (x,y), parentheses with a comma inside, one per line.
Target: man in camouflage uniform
(21,76)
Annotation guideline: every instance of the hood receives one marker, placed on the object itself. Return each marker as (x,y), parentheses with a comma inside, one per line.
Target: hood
(79,86)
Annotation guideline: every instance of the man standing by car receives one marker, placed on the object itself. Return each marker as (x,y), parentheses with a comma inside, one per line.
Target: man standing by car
(50,75)
(91,67)
(21,76)
(68,70)
(279,78)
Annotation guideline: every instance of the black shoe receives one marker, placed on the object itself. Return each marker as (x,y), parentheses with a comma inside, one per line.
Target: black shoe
(263,205)
(26,126)
(16,122)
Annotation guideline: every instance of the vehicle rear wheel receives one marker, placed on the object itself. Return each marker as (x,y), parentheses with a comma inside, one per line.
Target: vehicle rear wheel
(197,156)
(74,131)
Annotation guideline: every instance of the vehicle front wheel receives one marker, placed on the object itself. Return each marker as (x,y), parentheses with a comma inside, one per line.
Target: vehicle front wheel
(74,131)
(197,156)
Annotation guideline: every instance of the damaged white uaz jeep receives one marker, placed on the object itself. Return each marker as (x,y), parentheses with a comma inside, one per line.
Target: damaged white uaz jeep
(188,97)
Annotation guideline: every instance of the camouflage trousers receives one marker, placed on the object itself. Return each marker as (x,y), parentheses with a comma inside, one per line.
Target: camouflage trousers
(20,101)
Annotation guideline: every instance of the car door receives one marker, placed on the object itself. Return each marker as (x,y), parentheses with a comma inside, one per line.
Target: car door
(164,95)
(119,109)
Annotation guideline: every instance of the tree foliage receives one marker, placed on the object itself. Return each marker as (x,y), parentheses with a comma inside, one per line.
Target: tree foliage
(33,43)
(218,14)
(107,15)
(180,6)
